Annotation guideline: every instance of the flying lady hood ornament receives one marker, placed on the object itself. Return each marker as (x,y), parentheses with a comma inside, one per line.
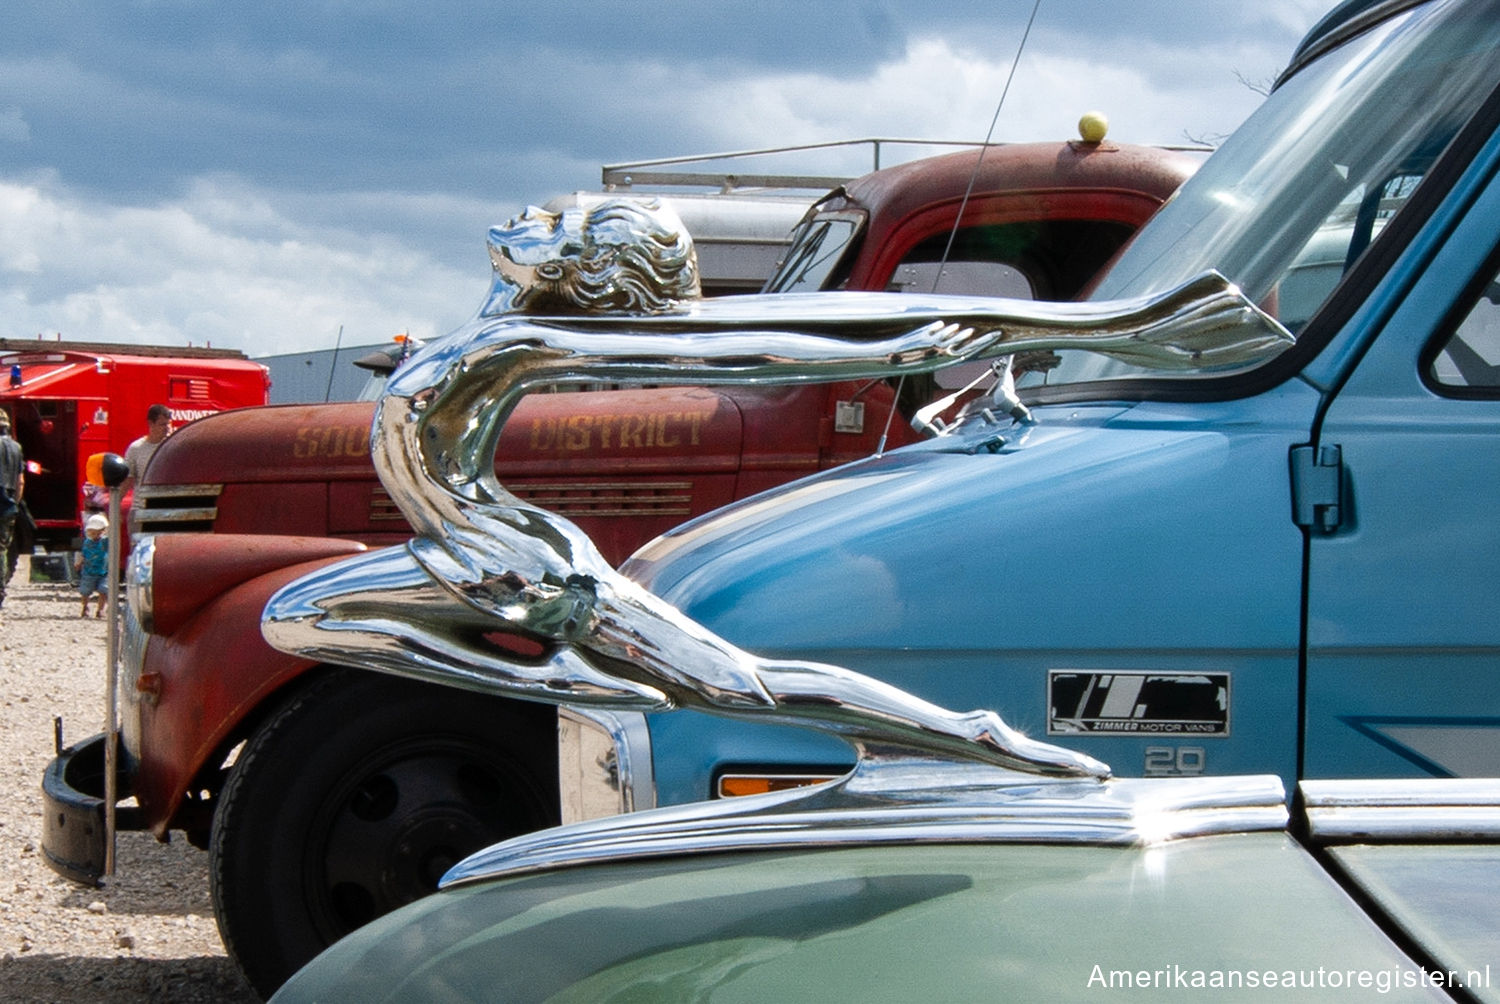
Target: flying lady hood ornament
(497,595)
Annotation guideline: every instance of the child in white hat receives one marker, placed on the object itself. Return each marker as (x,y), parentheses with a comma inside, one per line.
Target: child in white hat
(92,563)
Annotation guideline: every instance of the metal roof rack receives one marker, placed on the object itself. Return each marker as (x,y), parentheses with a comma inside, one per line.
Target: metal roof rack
(40,346)
(645,172)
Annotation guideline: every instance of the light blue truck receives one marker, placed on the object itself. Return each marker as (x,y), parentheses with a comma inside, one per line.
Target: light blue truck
(1285,567)
(1234,517)
(1292,568)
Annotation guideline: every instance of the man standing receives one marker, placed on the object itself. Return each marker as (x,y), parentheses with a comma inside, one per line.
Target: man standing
(12,484)
(158,424)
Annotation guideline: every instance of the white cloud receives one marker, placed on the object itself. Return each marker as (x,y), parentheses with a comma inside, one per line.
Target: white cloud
(938,90)
(223,265)
(272,265)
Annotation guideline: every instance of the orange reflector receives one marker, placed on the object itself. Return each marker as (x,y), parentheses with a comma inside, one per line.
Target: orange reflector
(737,785)
(148,685)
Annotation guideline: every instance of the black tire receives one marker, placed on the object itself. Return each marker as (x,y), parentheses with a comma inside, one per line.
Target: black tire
(355,797)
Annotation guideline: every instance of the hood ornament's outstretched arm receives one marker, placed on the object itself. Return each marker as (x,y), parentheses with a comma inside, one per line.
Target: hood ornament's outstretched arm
(485,564)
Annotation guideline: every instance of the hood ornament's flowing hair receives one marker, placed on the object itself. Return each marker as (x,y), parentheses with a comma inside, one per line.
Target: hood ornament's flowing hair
(621,256)
(485,565)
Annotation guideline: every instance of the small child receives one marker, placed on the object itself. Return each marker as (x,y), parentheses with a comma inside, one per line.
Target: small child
(92,563)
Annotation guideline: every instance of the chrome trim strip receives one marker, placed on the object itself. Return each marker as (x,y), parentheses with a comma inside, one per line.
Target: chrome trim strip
(144,517)
(150,491)
(904,801)
(140,579)
(593,784)
(1431,808)
(135,635)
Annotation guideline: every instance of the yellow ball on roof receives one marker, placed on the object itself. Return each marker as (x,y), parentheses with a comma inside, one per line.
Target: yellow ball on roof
(1093,126)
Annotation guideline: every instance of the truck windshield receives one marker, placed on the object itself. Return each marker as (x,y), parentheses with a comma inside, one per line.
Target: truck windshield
(819,244)
(374,387)
(1292,199)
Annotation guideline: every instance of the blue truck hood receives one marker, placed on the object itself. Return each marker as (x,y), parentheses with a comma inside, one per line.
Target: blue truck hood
(931,546)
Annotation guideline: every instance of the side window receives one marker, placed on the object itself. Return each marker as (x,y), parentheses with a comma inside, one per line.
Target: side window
(980,278)
(1335,246)
(1029,259)
(989,260)
(1470,358)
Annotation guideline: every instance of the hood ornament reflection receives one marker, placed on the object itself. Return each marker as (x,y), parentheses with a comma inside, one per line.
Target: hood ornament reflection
(498,595)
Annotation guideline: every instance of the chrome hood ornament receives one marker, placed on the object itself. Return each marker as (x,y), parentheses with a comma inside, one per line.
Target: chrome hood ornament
(497,595)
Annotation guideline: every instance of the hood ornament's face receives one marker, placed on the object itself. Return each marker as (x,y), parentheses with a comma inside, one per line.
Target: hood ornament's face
(620,256)
(485,565)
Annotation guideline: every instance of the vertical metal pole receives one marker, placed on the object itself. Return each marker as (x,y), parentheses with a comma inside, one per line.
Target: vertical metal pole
(333,363)
(111,682)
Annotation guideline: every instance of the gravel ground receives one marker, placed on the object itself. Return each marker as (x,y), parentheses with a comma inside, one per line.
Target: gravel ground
(149,933)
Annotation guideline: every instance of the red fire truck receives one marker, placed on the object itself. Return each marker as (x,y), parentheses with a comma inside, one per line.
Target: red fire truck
(328,796)
(70,400)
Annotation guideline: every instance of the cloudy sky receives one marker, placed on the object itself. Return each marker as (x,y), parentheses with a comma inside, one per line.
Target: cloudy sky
(260,176)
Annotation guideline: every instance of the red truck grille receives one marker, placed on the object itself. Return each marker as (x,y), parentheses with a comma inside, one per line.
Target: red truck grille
(609,498)
(383,507)
(194,508)
(175,508)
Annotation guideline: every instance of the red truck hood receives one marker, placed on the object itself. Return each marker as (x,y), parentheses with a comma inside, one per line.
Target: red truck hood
(677,429)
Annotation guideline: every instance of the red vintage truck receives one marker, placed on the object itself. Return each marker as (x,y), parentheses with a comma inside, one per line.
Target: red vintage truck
(327,796)
(69,400)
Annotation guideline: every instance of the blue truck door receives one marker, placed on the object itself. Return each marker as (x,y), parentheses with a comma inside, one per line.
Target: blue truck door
(1403,607)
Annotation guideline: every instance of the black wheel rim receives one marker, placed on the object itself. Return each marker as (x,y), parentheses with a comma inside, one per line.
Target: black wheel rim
(401,819)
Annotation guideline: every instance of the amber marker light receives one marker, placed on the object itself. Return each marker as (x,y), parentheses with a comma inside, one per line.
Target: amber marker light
(738,785)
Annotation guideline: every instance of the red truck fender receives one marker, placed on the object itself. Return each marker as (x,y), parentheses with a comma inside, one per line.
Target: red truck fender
(349,793)
(188,718)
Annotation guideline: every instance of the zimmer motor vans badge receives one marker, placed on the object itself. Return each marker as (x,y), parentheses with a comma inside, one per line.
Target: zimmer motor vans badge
(1137,703)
